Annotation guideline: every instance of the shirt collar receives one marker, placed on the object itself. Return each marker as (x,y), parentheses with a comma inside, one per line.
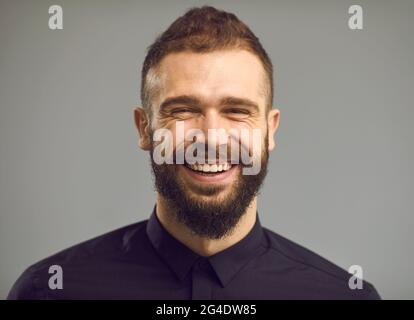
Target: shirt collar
(226,264)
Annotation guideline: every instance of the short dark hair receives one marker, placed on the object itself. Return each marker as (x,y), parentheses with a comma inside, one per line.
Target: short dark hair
(204,29)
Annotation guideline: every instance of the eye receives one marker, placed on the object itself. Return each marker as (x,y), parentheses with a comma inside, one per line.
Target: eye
(182,110)
(237,111)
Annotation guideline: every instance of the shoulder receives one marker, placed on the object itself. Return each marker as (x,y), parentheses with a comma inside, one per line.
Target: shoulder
(326,278)
(87,254)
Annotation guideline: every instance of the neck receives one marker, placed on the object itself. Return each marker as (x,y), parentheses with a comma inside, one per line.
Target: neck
(201,245)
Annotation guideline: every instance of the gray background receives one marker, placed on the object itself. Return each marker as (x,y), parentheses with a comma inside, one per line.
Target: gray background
(341,178)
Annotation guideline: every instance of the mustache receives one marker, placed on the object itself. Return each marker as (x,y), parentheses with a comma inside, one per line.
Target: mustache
(230,152)
(201,152)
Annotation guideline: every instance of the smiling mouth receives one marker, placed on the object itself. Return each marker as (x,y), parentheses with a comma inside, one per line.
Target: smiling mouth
(209,168)
(219,173)
(211,171)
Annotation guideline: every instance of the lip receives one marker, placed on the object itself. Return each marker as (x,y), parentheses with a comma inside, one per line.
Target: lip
(221,177)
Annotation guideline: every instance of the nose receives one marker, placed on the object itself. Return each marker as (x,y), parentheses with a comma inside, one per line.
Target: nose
(211,120)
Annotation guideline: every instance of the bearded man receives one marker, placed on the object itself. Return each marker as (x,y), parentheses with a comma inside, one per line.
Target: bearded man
(204,239)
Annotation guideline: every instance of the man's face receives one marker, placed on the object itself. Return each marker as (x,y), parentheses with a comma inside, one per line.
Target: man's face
(223,90)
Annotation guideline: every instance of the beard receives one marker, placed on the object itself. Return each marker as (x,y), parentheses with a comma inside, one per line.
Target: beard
(214,218)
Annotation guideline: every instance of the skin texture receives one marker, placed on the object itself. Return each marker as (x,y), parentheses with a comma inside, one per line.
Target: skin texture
(209,78)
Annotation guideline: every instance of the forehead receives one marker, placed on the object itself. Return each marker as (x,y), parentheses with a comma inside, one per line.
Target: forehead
(213,75)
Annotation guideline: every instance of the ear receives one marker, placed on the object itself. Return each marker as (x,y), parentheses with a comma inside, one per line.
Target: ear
(143,125)
(272,125)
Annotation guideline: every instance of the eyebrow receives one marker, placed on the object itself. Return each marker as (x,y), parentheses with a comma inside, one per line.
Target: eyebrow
(184,99)
(194,101)
(234,101)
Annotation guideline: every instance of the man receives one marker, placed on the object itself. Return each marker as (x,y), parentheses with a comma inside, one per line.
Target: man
(206,72)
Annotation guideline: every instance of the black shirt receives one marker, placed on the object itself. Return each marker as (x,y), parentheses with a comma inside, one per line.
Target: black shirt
(143,261)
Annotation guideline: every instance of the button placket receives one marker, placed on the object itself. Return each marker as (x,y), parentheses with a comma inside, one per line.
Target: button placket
(201,282)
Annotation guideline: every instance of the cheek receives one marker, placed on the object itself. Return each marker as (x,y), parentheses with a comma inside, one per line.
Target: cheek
(253,134)
(254,140)
(171,125)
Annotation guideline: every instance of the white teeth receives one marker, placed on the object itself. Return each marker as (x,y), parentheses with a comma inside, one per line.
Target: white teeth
(210,167)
